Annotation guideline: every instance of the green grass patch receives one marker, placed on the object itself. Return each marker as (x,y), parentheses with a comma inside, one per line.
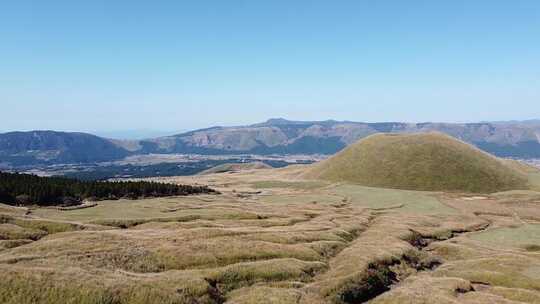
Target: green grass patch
(301,199)
(509,271)
(300,185)
(526,237)
(410,201)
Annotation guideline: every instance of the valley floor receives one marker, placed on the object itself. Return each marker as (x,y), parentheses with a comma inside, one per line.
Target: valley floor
(270,238)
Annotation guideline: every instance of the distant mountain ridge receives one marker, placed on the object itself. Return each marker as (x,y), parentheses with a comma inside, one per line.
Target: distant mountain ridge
(36,147)
(280,136)
(275,136)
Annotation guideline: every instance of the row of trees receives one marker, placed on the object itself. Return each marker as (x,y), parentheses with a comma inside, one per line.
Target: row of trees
(26,189)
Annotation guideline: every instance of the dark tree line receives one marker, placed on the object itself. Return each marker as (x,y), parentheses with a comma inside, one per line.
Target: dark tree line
(164,169)
(26,189)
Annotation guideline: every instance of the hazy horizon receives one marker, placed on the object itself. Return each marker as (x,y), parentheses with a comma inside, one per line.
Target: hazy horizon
(102,66)
(142,133)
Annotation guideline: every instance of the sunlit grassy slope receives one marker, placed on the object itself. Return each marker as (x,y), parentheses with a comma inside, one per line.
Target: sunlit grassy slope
(236,167)
(428,161)
(533,173)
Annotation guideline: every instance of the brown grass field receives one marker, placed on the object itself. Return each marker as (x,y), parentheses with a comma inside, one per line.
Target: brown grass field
(271,237)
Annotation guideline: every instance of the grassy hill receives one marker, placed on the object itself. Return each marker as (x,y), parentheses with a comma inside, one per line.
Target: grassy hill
(532,173)
(427,161)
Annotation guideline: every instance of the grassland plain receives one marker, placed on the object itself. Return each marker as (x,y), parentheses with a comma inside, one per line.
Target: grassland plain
(273,238)
(233,167)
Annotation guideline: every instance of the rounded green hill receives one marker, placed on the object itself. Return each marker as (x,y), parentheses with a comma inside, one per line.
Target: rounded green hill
(424,161)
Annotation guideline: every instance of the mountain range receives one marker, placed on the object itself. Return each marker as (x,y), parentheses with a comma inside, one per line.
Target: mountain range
(518,139)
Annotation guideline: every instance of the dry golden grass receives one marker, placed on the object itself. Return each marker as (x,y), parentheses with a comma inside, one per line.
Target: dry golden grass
(264,295)
(14,232)
(295,242)
(426,289)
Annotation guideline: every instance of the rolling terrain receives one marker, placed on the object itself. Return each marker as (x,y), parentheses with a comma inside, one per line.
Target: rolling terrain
(269,239)
(275,136)
(277,236)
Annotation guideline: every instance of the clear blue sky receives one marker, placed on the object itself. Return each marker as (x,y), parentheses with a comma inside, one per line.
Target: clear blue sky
(117,65)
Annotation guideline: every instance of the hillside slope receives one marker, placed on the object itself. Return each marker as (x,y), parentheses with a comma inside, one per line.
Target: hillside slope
(36,147)
(428,161)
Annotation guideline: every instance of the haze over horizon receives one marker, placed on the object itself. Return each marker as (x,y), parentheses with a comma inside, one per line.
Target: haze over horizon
(143,133)
(102,66)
